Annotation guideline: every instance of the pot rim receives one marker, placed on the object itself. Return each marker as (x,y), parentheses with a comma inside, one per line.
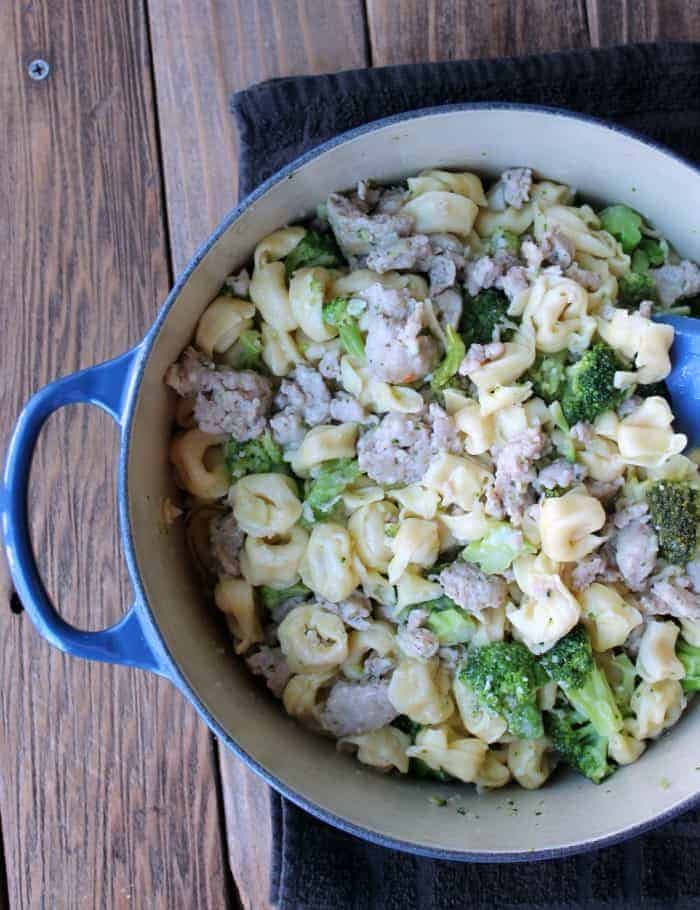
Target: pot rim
(173,671)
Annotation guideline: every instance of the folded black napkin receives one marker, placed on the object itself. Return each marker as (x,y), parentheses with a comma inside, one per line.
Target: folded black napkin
(656,90)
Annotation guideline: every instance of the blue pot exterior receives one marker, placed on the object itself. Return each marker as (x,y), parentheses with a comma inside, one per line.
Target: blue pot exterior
(136,640)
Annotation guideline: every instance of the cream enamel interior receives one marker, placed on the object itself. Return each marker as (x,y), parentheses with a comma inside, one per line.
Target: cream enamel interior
(601,163)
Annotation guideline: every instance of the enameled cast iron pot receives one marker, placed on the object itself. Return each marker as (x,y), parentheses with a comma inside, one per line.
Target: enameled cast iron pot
(171,631)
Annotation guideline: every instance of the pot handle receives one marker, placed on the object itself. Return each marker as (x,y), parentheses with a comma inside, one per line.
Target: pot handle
(107,386)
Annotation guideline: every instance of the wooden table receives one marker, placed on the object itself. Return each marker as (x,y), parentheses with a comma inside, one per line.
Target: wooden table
(112,169)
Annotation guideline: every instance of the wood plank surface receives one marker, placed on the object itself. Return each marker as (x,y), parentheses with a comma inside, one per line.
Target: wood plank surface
(203,50)
(107,787)
(409,31)
(642,20)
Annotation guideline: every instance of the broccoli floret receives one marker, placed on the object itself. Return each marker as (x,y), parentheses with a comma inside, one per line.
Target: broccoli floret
(446,620)
(313,249)
(570,663)
(336,313)
(578,743)
(257,456)
(567,444)
(674,512)
(454,354)
(481,316)
(590,387)
(623,223)
(504,241)
(271,598)
(689,656)
(245,353)
(497,550)
(329,482)
(452,626)
(504,677)
(633,288)
(621,674)
(547,375)
(649,253)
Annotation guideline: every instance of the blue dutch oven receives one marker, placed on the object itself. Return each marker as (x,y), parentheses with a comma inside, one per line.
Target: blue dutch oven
(172,631)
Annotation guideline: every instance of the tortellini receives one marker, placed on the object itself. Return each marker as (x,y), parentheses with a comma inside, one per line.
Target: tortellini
(645,343)
(479,430)
(313,639)
(360,279)
(481,722)
(307,292)
(378,636)
(379,396)
(530,761)
(567,524)
(187,453)
(385,748)
(280,352)
(368,529)
(465,184)
(458,479)
(602,459)
(265,505)
(464,528)
(417,543)
(324,443)
(416,501)
(494,772)
(548,611)
(354,499)
(221,324)
(606,616)
(443,750)
(234,597)
(624,748)
(657,652)
(557,308)
(517,358)
(442,212)
(421,690)
(328,567)
(274,562)
(412,588)
(645,437)
(517,221)
(578,224)
(268,286)
(656,707)
(303,696)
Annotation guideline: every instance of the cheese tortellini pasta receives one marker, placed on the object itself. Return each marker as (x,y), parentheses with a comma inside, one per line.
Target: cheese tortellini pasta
(312,639)
(429,477)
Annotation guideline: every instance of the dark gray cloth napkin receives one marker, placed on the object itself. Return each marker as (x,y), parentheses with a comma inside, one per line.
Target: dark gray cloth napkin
(656,90)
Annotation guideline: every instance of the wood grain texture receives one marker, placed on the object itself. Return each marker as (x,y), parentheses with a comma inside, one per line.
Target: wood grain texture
(642,20)
(107,787)
(410,31)
(203,50)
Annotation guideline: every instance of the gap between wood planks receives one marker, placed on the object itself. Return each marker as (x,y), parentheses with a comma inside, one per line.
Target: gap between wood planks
(231,896)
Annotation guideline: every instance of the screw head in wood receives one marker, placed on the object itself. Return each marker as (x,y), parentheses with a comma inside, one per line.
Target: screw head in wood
(38,69)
